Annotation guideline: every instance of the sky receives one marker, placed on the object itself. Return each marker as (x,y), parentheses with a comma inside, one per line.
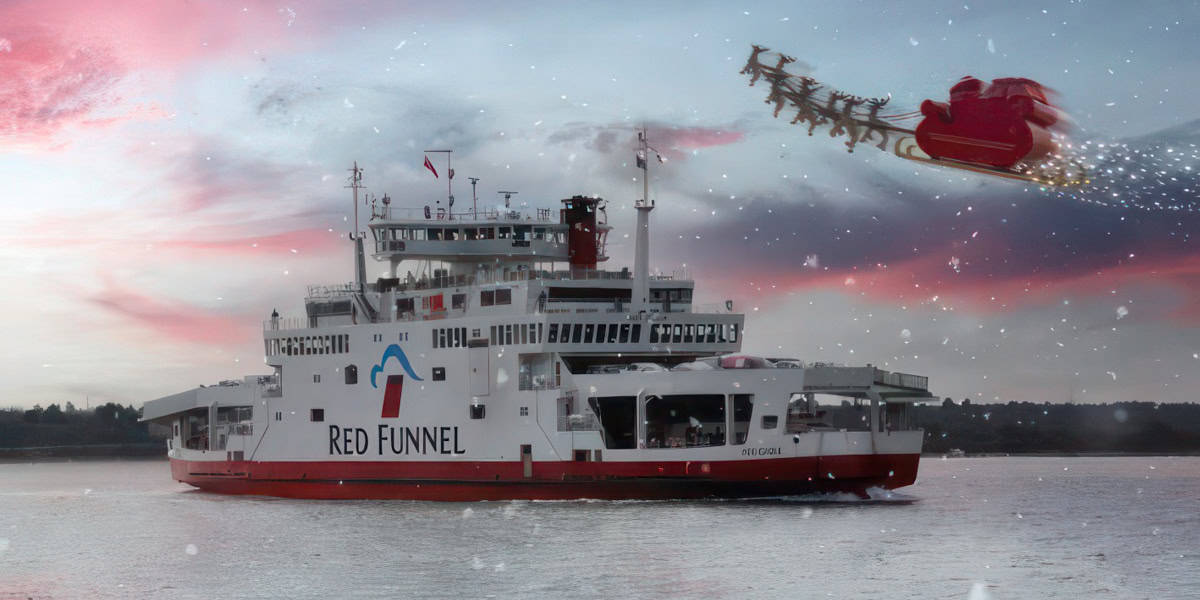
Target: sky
(170,172)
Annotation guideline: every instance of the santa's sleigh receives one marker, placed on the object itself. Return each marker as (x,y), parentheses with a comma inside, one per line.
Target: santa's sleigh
(1006,128)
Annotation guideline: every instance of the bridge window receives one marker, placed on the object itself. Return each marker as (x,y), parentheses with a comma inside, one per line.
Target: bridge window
(577,333)
(601,329)
(405,306)
(351,374)
(458,301)
(553,337)
(685,421)
(471,233)
(624,333)
(434,233)
(505,233)
(487,297)
(487,233)
(743,408)
(589,330)
(503,296)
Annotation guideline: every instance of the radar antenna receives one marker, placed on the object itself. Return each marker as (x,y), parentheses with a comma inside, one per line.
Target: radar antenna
(507,196)
(474,198)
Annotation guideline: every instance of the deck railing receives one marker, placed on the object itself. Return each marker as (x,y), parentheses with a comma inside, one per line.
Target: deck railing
(433,213)
(578,422)
(905,380)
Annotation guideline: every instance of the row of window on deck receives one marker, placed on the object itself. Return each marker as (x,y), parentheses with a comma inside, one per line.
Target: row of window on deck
(592,333)
(437,302)
(308,345)
(660,333)
(502,232)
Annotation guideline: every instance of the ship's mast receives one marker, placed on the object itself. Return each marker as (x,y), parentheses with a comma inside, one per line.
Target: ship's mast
(474,198)
(449,182)
(641,262)
(360,261)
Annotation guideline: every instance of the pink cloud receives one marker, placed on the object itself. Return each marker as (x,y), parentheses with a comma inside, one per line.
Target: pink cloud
(693,138)
(301,240)
(172,319)
(919,280)
(674,142)
(62,62)
(45,84)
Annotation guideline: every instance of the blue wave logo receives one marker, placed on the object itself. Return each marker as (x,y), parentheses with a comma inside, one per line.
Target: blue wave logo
(393,351)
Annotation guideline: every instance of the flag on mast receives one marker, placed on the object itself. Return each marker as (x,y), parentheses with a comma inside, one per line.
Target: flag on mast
(429,165)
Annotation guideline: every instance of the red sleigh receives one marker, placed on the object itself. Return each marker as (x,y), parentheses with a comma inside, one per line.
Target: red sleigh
(997,125)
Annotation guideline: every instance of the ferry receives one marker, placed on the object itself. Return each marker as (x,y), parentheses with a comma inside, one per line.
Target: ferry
(498,360)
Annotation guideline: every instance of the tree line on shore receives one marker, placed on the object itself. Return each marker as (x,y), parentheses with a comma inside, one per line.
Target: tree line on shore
(67,425)
(1014,427)
(1018,427)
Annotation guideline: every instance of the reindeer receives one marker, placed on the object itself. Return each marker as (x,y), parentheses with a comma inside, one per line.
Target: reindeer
(777,76)
(752,65)
(802,100)
(844,121)
(875,124)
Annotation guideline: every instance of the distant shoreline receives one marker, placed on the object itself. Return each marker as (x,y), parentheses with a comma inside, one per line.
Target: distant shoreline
(145,450)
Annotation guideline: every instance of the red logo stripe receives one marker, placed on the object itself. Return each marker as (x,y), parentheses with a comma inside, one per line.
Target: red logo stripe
(391,396)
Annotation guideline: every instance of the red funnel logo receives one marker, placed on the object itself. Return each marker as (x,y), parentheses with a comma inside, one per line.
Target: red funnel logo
(391,396)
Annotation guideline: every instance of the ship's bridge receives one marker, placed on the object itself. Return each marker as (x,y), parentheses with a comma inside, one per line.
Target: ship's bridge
(577,233)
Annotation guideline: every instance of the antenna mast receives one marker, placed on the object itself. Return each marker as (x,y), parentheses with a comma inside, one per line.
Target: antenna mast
(641,254)
(474,198)
(355,185)
(449,183)
(360,263)
(507,196)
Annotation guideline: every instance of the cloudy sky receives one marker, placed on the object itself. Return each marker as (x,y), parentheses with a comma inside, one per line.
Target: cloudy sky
(172,171)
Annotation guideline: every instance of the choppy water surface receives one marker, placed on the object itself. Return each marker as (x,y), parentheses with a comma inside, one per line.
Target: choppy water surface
(979,528)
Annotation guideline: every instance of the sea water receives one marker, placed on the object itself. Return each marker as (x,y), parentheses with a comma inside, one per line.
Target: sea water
(971,528)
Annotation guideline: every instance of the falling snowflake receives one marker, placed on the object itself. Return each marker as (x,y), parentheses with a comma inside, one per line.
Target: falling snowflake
(1122,312)
(191,550)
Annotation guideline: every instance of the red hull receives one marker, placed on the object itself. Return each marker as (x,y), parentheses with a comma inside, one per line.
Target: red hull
(474,481)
